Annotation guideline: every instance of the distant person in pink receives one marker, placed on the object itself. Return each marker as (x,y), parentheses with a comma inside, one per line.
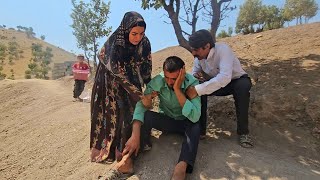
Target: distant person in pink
(80,73)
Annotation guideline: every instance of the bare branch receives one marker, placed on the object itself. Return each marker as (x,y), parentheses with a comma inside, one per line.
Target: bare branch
(185,33)
(223,1)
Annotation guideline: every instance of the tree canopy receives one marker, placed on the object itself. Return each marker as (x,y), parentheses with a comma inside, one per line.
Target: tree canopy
(212,11)
(255,17)
(297,9)
(89,24)
(39,63)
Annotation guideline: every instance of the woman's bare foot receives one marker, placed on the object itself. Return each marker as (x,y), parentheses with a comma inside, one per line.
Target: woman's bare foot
(125,165)
(180,171)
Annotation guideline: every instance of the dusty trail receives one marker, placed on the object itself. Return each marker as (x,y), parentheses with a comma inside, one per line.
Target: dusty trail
(44,135)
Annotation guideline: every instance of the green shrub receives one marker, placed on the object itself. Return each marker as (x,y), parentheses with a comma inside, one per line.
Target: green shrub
(27,76)
(28,71)
(2,76)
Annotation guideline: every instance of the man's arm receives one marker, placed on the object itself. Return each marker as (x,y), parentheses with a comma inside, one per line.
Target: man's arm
(191,109)
(224,76)
(133,143)
(142,106)
(196,66)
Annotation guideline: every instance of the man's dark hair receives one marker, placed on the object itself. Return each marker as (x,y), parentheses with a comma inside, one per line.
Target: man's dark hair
(172,64)
(200,38)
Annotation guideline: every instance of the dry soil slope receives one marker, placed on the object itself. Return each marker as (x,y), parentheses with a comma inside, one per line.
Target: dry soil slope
(284,66)
(44,135)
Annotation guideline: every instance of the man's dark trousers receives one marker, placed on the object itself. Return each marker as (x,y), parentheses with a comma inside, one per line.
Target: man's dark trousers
(190,130)
(240,89)
(78,87)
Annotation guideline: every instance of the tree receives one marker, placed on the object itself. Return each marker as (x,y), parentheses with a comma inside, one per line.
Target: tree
(2,75)
(12,75)
(30,33)
(42,37)
(89,21)
(296,9)
(191,10)
(249,15)
(20,28)
(311,10)
(13,51)
(223,33)
(3,52)
(272,17)
(39,63)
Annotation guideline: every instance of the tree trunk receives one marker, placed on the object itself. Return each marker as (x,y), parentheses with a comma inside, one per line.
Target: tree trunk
(215,21)
(86,55)
(194,16)
(95,49)
(174,17)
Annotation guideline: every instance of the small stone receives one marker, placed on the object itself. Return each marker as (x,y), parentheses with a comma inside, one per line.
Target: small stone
(316,130)
(299,124)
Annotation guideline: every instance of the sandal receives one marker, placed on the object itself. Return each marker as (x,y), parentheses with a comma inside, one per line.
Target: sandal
(245,141)
(114,174)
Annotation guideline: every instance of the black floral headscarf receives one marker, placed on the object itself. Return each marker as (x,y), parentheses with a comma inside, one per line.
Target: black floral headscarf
(132,62)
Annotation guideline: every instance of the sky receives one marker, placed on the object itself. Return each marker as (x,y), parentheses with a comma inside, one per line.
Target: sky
(51,18)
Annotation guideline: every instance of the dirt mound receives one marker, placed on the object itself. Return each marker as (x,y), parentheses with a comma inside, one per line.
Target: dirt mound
(284,66)
(44,135)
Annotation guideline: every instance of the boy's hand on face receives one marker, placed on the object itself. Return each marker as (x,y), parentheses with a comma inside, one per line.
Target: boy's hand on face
(180,78)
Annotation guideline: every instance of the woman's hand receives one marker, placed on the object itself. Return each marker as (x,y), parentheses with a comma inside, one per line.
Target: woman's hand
(102,53)
(147,99)
(133,143)
(132,146)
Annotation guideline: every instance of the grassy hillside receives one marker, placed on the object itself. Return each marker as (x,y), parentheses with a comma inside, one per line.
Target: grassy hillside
(24,45)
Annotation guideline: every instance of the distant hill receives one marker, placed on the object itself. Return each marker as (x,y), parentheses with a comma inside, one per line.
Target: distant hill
(24,43)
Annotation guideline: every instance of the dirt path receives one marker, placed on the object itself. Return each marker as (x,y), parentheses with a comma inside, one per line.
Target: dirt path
(44,135)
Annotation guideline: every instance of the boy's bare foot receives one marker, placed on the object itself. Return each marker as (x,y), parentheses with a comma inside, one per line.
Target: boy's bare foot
(180,171)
